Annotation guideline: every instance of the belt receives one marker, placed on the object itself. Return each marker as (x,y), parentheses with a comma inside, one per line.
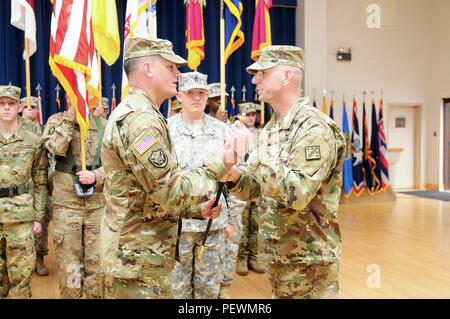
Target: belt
(15,190)
(71,169)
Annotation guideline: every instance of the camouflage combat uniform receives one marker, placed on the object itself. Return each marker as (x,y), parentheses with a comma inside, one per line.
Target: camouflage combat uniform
(23,196)
(145,192)
(194,144)
(76,229)
(248,247)
(297,172)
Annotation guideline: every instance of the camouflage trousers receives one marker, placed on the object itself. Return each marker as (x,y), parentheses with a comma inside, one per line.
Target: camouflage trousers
(41,239)
(76,235)
(250,227)
(194,279)
(137,288)
(296,281)
(17,258)
(231,252)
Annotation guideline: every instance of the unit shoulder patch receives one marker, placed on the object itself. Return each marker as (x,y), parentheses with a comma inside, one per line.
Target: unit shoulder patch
(312,153)
(159,159)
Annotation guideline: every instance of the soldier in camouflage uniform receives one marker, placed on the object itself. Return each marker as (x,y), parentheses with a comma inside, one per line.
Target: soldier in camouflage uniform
(248,248)
(23,194)
(41,239)
(103,109)
(145,189)
(32,113)
(76,216)
(175,108)
(214,103)
(296,169)
(197,138)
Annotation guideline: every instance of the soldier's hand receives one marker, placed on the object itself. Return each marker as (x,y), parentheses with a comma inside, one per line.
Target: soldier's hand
(222,115)
(86,177)
(207,211)
(240,139)
(229,231)
(37,228)
(232,175)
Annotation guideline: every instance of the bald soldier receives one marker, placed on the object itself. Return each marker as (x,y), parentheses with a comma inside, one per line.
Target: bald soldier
(23,194)
(145,189)
(296,169)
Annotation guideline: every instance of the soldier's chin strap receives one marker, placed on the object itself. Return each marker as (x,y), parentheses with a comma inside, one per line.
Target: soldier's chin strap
(205,236)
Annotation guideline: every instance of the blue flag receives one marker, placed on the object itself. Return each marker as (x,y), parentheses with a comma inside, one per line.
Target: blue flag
(358,181)
(234,36)
(367,156)
(347,175)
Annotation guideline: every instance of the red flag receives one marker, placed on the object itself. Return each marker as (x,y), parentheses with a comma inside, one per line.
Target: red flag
(195,35)
(383,149)
(262,36)
(23,17)
(113,104)
(72,56)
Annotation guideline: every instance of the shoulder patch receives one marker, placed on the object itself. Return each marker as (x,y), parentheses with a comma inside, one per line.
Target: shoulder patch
(144,142)
(159,159)
(312,153)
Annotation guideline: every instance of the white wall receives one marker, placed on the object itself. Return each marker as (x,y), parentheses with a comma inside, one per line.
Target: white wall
(439,88)
(409,62)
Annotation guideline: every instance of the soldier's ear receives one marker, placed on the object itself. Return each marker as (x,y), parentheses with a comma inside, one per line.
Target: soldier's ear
(179,97)
(148,70)
(287,77)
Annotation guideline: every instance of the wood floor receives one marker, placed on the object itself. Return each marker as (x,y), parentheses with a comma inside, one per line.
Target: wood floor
(390,250)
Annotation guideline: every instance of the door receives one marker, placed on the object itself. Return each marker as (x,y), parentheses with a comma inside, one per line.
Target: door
(447,144)
(401,135)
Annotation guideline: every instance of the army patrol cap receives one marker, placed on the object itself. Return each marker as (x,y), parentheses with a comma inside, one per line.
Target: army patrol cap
(10,91)
(249,107)
(136,47)
(105,102)
(33,101)
(192,80)
(274,55)
(214,90)
(176,105)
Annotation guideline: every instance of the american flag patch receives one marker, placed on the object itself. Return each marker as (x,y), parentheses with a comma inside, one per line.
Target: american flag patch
(144,143)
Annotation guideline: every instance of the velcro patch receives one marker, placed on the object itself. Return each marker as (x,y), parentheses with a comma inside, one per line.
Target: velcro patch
(312,153)
(159,159)
(144,142)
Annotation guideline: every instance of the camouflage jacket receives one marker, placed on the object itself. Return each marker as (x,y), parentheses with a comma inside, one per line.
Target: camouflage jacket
(146,190)
(23,160)
(296,170)
(194,145)
(60,133)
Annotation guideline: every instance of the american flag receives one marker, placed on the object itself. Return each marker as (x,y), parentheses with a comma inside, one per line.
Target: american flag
(383,149)
(145,143)
(73,60)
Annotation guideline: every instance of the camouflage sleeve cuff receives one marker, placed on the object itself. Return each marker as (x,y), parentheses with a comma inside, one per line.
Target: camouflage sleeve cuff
(39,216)
(192,212)
(216,167)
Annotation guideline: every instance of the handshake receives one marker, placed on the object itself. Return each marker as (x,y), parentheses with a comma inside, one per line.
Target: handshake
(240,141)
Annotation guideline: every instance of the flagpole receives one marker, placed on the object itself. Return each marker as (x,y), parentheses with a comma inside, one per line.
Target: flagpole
(27,72)
(222,57)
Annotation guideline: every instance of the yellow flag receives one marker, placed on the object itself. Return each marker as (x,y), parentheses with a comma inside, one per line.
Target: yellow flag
(106,30)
